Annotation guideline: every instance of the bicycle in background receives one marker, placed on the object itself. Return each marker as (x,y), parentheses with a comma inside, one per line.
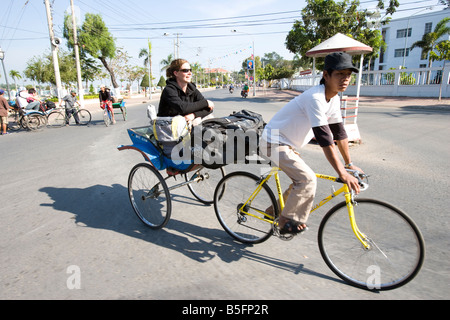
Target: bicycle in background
(19,118)
(59,118)
(107,114)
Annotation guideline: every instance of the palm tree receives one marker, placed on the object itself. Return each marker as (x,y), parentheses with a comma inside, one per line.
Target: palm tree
(430,40)
(147,54)
(15,75)
(166,62)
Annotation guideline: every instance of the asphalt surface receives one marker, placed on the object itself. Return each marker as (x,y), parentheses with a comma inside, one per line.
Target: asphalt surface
(65,212)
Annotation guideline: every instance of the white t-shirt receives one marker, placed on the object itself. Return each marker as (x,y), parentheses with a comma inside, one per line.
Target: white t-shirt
(293,124)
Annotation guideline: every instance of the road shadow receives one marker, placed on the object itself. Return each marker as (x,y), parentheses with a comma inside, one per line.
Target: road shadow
(108,208)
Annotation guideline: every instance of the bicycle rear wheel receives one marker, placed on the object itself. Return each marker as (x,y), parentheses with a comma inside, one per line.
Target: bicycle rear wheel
(84,116)
(396,250)
(31,122)
(244,220)
(149,195)
(56,119)
(42,121)
(207,180)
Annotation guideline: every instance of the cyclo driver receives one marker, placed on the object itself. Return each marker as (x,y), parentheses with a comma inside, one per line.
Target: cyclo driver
(105,97)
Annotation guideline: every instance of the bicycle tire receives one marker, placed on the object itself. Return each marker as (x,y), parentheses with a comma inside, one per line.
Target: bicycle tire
(42,121)
(84,117)
(31,122)
(106,117)
(203,190)
(56,119)
(149,196)
(396,252)
(231,193)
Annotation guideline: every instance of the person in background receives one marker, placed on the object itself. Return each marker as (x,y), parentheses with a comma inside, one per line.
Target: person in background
(70,101)
(105,97)
(21,98)
(4,108)
(33,100)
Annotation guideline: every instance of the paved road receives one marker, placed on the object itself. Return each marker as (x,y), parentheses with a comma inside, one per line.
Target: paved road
(65,217)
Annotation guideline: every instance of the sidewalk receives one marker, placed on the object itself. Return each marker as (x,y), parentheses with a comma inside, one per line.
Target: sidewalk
(365,101)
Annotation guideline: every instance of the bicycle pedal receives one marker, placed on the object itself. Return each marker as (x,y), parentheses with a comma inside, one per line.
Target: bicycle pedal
(276,232)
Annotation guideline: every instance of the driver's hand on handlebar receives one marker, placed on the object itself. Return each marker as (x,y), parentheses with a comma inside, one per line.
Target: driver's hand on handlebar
(353,167)
(351,182)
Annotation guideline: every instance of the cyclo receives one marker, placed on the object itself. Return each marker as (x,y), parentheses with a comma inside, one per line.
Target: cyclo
(147,189)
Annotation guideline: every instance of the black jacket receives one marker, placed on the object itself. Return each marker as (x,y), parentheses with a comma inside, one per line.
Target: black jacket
(104,95)
(175,102)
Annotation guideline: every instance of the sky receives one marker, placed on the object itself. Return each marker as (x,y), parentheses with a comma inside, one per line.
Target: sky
(204,28)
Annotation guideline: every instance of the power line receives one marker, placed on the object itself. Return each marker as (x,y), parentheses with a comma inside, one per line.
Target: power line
(210,19)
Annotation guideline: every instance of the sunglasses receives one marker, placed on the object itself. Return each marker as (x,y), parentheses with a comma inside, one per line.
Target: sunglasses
(186,70)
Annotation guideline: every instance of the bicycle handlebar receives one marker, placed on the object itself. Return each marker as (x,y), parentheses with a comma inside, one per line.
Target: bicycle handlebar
(360,176)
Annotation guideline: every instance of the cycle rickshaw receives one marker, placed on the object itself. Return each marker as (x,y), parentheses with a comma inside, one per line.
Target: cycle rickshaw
(147,188)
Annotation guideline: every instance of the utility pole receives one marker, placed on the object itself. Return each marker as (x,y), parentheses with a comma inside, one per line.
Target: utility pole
(178,45)
(77,57)
(54,42)
(150,83)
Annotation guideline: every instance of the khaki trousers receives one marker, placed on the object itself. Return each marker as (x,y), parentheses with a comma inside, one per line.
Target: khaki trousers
(299,196)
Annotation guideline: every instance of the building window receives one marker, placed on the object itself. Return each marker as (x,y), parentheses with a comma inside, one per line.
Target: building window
(424,55)
(401,33)
(428,27)
(401,52)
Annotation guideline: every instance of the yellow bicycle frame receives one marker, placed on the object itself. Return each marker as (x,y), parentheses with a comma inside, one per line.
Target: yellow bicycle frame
(344,189)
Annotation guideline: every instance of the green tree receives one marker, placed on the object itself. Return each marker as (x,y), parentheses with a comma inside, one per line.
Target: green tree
(90,70)
(147,54)
(37,70)
(14,74)
(430,41)
(145,83)
(322,19)
(443,51)
(166,62)
(161,82)
(96,40)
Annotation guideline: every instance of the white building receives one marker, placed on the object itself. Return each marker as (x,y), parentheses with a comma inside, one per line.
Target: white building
(399,36)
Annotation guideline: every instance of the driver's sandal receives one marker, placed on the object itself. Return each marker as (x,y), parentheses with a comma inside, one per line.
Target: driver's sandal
(291,227)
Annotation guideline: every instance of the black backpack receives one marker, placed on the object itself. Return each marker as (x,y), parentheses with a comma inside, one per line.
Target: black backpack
(228,139)
(50,104)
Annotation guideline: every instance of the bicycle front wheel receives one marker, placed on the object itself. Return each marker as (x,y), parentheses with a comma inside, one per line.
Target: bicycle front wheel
(149,195)
(240,207)
(107,117)
(203,182)
(396,251)
(56,119)
(84,117)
